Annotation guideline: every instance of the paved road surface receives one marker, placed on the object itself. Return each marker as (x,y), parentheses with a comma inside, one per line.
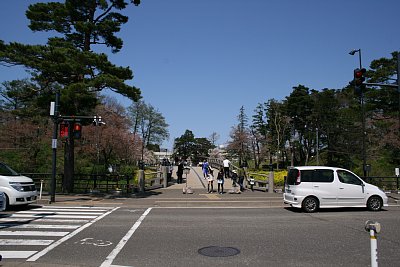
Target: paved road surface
(164,227)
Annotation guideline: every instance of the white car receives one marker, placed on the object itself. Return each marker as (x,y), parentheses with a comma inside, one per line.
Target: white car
(313,187)
(17,189)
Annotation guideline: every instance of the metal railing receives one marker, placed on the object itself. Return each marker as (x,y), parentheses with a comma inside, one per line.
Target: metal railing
(105,183)
(384,182)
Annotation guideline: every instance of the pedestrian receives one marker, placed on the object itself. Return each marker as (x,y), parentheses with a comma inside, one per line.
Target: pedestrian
(226,164)
(210,179)
(205,167)
(220,181)
(234,178)
(241,175)
(179,173)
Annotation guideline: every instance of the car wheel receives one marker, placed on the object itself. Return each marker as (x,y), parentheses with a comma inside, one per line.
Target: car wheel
(374,203)
(310,204)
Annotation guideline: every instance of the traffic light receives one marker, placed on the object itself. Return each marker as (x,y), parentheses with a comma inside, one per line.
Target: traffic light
(64,130)
(359,76)
(77,130)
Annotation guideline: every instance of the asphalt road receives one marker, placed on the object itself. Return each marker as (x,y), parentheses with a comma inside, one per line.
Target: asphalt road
(221,235)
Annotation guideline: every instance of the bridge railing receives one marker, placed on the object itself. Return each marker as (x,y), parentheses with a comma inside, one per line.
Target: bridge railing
(252,180)
(104,183)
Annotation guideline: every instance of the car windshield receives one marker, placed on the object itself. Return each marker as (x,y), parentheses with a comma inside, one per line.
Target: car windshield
(7,171)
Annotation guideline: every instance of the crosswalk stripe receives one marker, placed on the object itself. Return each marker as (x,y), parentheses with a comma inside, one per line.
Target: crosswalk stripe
(65,238)
(17,254)
(58,213)
(68,209)
(72,207)
(38,226)
(25,242)
(38,222)
(32,233)
(51,216)
(26,220)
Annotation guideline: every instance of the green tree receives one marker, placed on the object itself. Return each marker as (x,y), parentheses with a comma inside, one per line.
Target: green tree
(68,60)
(189,147)
(185,145)
(149,124)
(239,144)
(299,109)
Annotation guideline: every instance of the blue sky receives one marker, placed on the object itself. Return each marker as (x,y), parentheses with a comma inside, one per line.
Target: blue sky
(199,61)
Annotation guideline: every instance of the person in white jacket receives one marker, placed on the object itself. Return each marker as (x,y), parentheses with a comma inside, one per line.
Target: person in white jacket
(227,165)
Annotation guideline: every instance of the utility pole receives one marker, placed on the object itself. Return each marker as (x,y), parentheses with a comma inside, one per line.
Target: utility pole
(54,112)
(359,78)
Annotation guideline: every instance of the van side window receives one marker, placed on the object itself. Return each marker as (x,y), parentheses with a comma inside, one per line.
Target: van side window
(348,178)
(307,175)
(323,176)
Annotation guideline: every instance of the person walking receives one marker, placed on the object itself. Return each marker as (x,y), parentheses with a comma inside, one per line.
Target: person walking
(241,175)
(210,179)
(205,167)
(226,164)
(179,173)
(220,181)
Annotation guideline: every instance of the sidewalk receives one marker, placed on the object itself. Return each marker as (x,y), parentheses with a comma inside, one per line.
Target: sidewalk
(174,193)
(195,180)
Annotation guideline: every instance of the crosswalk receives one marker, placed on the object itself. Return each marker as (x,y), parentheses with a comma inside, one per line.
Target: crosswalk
(32,233)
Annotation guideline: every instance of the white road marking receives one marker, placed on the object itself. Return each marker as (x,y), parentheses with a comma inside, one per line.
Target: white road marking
(69,209)
(17,254)
(32,233)
(38,226)
(51,216)
(41,220)
(46,213)
(110,258)
(65,238)
(25,242)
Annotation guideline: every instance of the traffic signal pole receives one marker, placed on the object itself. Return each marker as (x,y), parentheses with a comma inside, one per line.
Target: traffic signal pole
(54,113)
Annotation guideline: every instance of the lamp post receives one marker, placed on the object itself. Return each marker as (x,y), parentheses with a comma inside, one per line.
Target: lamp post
(364,157)
(97,122)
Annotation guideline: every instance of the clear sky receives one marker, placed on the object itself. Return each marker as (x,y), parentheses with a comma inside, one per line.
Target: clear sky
(199,61)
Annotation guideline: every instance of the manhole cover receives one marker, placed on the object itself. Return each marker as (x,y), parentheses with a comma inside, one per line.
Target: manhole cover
(215,251)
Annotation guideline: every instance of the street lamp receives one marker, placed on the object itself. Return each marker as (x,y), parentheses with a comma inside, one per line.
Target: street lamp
(352,52)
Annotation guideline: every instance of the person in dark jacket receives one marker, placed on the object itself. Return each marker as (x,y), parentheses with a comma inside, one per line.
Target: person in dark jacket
(220,181)
(179,173)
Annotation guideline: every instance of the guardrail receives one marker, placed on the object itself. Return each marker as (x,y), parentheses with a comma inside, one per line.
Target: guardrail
(260,184)
(105,183)
(250,180)
(385,182)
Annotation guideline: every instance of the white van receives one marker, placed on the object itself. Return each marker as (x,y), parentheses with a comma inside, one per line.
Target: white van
(17,189)
(313,187)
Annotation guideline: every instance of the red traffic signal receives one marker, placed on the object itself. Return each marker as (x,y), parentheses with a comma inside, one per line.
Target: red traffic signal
(359,76)
(77,130)
(64,130)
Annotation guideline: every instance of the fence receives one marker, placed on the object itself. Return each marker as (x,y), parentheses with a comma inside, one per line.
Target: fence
(105,183)
(85,183)
(386,183)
